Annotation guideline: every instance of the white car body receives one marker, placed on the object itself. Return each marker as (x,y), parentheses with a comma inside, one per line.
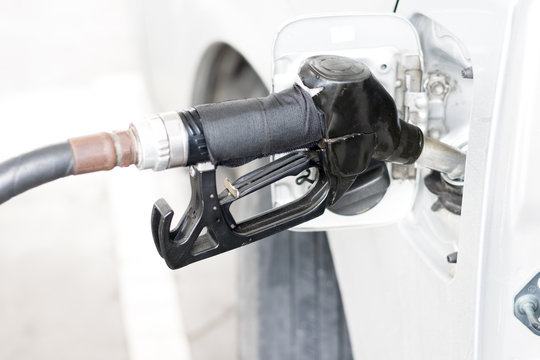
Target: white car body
(401,298)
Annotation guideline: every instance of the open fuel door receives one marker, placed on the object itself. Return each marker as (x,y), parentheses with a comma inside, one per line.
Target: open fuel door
(391,47)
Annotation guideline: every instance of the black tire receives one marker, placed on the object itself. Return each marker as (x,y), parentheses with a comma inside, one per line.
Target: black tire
(289,295)
(297,311)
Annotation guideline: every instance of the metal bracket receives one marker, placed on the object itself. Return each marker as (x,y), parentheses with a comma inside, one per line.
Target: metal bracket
(437,87)
(527,305)
(411,101)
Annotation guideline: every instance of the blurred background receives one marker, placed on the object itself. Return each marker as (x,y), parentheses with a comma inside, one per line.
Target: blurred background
(79,275)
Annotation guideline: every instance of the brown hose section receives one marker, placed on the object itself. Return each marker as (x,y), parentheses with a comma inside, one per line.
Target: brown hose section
(99,152)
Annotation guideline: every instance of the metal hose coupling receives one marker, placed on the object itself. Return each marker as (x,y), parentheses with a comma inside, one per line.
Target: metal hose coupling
(161,142)
(157,143)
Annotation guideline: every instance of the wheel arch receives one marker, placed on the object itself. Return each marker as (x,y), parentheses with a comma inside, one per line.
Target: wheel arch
(224,73)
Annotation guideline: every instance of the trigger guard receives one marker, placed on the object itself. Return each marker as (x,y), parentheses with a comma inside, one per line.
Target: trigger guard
(207,228)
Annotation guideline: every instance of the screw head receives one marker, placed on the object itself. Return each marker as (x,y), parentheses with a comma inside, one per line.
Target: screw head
(437,88)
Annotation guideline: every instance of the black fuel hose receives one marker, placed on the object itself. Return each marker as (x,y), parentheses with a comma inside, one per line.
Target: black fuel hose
(35,168)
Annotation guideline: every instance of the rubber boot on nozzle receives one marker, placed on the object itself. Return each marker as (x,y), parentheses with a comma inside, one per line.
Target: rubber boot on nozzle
(361,120)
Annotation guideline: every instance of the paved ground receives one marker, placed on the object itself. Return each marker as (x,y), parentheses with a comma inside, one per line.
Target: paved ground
(79,275)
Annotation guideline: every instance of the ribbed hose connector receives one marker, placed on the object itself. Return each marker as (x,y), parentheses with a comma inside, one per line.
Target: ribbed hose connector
(161,142)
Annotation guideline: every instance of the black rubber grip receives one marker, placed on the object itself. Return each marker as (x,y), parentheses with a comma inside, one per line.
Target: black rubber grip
(198,150)
(34,168)
(241,130)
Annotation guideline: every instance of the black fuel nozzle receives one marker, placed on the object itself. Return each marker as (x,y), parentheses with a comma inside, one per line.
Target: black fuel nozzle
(338,118)
(361,121)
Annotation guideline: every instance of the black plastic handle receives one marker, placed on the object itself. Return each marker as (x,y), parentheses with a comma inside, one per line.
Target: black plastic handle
(208,228)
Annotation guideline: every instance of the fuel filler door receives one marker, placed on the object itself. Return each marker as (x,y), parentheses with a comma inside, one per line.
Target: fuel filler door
(391,47)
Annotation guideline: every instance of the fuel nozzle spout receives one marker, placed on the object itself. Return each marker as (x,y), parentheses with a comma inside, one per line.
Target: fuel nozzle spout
(442,157)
